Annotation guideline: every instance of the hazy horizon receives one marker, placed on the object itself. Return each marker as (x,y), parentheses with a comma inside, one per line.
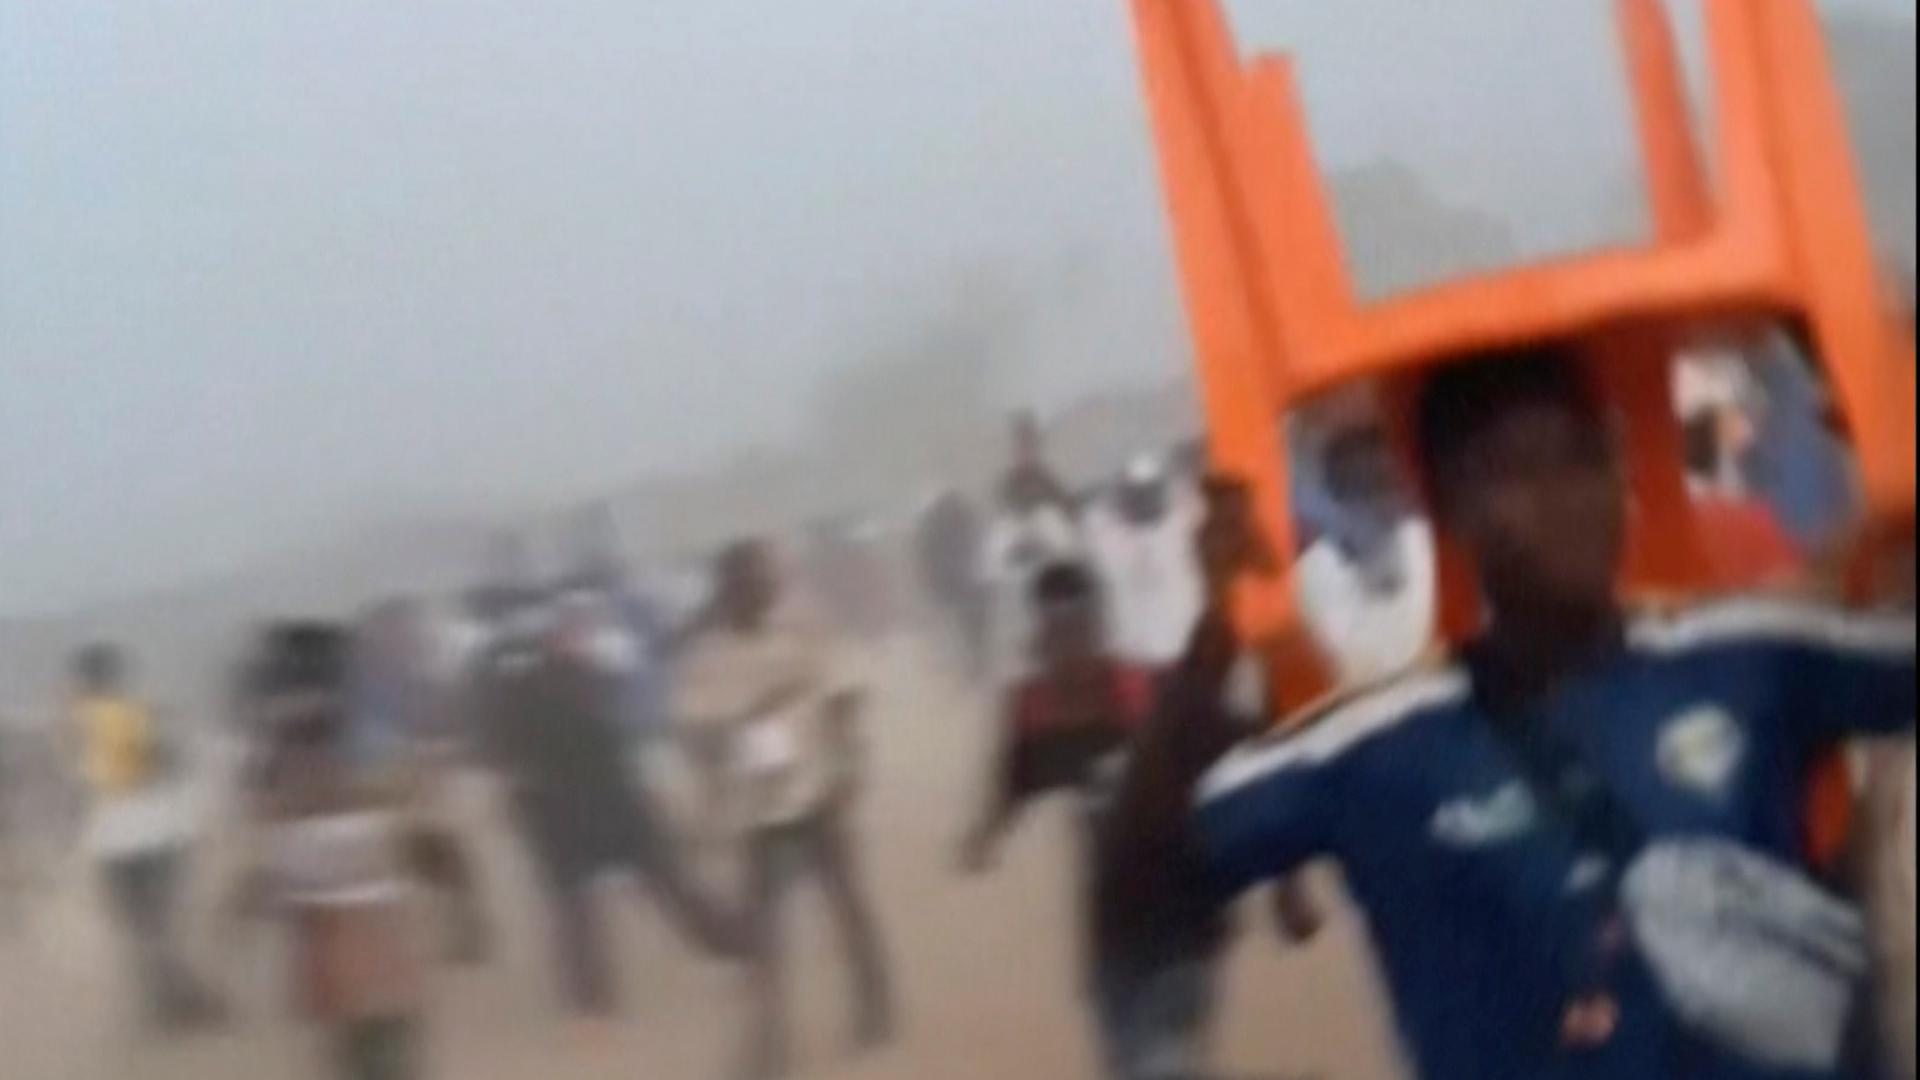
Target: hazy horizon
(273,271)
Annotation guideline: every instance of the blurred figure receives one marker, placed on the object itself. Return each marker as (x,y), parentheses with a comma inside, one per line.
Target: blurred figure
(549,693)
(1035,523)
(509,578)
(1716,399)
(403,694)
(329,855)
(139,830)
(947,549)
(1741,534)
(1067,729)
(1366,580)
(1793,462)
(599,569)
(1029,471)
(766,686)
(1141,541)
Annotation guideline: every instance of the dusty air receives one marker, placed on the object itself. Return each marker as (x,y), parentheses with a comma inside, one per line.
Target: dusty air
(1136,540)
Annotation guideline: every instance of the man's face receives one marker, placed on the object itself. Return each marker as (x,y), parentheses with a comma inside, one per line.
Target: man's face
(1143,502)
(1359,468)
(1536,499)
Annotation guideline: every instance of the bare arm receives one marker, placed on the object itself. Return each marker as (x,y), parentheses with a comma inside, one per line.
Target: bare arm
(1150,832)
(1151,852)
(1000,808)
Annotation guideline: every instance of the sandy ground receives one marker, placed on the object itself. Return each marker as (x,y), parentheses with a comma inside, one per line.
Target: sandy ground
(984,965)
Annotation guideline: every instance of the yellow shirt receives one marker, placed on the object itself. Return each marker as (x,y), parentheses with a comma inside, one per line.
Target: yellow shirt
(116,736)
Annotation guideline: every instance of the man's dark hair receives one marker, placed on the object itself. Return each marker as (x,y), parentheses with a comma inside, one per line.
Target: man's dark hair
(299,657)
(1062,582)
(737,555)
(1460,400)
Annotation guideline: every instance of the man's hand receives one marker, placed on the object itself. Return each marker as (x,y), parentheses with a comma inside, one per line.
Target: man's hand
(1296,911)
(1589,1022)
(1230,543)
(841,726)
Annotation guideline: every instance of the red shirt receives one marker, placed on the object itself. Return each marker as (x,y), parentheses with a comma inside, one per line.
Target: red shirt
(1056,734)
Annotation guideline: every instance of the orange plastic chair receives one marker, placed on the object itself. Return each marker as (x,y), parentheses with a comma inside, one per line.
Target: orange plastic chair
(1274,320)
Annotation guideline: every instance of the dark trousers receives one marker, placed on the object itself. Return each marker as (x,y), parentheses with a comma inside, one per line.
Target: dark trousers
(570,859)
(142,889)
(818,846)
(1154,1025)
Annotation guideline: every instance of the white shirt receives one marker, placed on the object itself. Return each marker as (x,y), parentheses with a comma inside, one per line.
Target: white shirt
(1151,579)
(1369,633)
(153,818)
(1017,548)
(343,859)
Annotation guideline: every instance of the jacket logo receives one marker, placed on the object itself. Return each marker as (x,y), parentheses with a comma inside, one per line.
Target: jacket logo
(1700,750)
(1506,813)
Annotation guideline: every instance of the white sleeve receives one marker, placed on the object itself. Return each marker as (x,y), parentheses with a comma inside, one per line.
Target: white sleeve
(611,649)
(1320,581)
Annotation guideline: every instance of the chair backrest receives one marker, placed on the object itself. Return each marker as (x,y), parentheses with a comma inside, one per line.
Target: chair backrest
(1274,318)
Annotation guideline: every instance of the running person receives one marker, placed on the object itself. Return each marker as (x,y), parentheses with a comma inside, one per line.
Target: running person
(548,698)
(138,829)
(328,856)
(1067,728)
(1141,541)
(1366,580)
(1484,809)
(403,693)
(762,684)
(947,542)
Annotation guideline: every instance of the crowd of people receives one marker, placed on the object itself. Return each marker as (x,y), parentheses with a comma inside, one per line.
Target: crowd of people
(1582,843)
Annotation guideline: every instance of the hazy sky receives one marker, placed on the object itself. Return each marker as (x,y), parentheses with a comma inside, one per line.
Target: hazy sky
(265,264)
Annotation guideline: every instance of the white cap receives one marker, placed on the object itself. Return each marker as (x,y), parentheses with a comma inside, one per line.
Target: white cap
(1145,469)
(1709,381)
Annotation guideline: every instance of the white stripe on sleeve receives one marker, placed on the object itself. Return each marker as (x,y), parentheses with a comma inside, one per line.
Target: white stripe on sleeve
(1776,620)
(1342,729)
